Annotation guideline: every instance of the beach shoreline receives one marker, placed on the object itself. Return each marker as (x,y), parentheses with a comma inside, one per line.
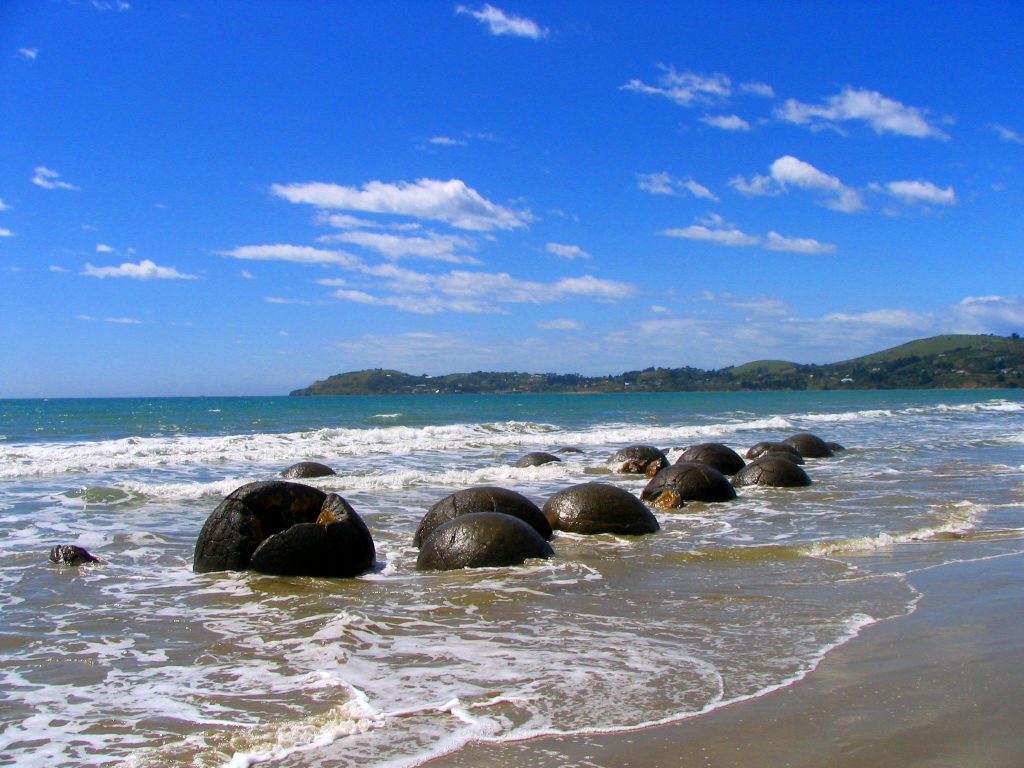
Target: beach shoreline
(937,687)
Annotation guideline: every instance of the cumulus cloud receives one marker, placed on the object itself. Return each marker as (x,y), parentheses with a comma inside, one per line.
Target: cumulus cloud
(498,22)
(101,248)
(726,122)
(566,251)
(451,202)
(715,229)
(915,192)
(882,114)
(788,171)
(1007,134)
(144,270)
(664,183)
(4,232)
(49,179)
(450,248)
(685,88)
(758,89)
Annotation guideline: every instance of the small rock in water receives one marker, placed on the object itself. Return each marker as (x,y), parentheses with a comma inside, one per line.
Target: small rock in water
(69,554)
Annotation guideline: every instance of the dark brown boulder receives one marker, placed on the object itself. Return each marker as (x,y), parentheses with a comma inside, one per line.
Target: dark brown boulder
(599,508)
(337,545)
(71,554)
(639,460)
(484,498)
(307,469)
(481,540)
(773,469)
(836,447)
(810,446)
(536,459)
(688,482)
(760,449)
(259,511)
(721,457)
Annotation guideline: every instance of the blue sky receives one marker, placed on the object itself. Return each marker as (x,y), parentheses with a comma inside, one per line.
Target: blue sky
(236,198)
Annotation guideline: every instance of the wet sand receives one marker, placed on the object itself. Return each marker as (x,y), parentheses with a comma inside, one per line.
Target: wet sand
(939,687)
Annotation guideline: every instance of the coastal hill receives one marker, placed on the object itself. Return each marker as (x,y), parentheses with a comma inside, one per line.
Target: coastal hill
(939,362)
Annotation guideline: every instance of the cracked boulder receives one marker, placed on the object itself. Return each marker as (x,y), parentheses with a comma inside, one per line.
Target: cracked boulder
(688,481)
(773,469)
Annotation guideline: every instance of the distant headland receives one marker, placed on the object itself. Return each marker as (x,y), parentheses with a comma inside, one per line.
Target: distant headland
(939,362)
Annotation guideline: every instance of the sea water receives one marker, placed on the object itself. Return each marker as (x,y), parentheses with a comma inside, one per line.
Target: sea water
(140,662)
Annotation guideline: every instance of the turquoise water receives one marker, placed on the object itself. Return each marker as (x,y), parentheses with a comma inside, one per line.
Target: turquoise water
(138,661)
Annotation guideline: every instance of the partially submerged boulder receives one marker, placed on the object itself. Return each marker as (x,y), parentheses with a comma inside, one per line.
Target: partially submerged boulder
(599,508)
(810,446)
(481,540)
(72,554)
(483,498)
(307,469)
(255,513)
(639,460)
(537,459)
(688,481)
(717,455)
(760,449)
(772,469)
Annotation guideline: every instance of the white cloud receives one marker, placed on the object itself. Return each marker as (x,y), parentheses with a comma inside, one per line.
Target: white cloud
(449,201)
(279,300)
(4,232)
(1007,134)
(664,183)
(498,22)
(111,5)
(446,141)
(685,88)
(49,179)
(144,270)
(567,251)
(777,242)
(56,268)
(883,114)
(430,246)
(345,221)
(725,235)
(29,53)
(101,248)
(116,320)
(789,171)
(4,206)
(300,254)
(246,274)
(990,314)
(726,122)
(758,89)
(913,192)
(560,324)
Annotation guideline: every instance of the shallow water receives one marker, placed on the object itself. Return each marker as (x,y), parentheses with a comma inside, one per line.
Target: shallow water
(141,662)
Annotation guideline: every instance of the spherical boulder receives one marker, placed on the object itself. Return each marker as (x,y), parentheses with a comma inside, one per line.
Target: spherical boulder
(772,469)
(688,481)
(721,457)
(481,540)
(484,498)
(337,545)
(836,447)
(639,460)
(783,449)
(307,469)
(253,513)
(810,446)
(599,508)
(71,554)
(536,459)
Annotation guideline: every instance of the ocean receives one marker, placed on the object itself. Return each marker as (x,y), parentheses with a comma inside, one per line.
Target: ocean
(137,661)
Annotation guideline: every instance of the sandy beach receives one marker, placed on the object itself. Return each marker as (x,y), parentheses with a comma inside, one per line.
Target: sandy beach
(939,687)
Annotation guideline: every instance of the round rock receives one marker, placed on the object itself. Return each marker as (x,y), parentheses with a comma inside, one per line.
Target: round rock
(536,459)
(783,449)
(481,540)
(772,469)
(307,469)
(721,457)
(484,498)
(337,545)
(71,554)
(639,460)
(810,446)
(688,482)
(599,508)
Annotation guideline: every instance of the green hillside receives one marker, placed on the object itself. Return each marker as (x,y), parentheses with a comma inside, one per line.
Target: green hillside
(940,362)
